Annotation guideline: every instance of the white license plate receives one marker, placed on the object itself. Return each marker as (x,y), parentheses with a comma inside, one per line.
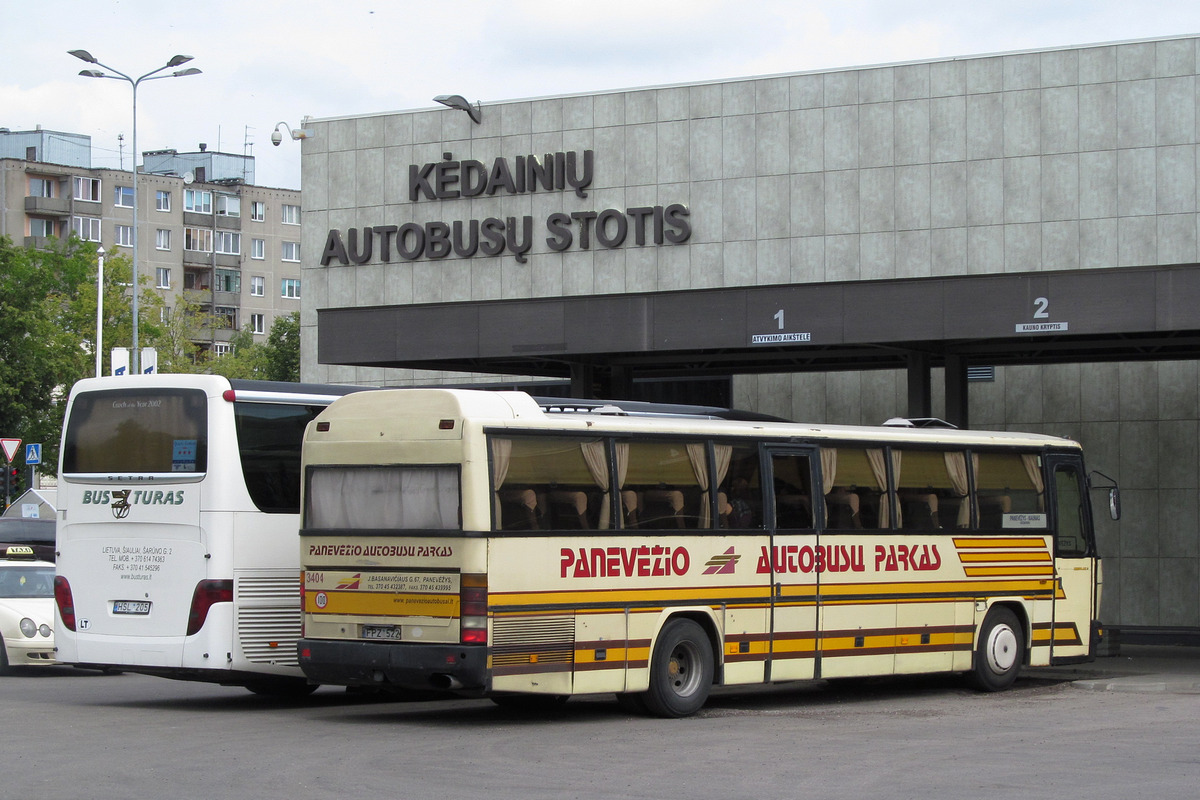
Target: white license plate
(131,606)
(381,631)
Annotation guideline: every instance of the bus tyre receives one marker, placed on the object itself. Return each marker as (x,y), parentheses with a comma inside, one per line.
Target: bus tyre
(999,651)
(681,671)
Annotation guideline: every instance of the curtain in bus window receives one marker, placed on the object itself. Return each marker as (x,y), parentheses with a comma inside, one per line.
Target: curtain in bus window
(956,468)
(595,456)
(698,455)
(384,498)
(879,468)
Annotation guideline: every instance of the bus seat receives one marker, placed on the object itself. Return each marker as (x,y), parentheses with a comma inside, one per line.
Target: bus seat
(919,510)
(842,506)
(568,510)
(992,509)
(723,509)
(518,510)
(661,508)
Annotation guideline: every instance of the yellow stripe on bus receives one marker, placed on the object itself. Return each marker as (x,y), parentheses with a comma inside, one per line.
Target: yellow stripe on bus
(382,604)
(975,544)
(972,558)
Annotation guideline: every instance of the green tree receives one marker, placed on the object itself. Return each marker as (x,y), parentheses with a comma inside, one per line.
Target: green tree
(283,349)
(41,350)
(277,359)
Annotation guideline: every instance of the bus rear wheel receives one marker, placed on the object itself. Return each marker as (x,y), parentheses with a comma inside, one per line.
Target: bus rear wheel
(681,671)
(999,651)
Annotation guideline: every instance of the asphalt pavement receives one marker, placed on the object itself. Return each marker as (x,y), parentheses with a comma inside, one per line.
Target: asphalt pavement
(1174,669)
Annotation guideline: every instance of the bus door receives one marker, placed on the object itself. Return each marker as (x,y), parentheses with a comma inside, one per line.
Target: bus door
(1074,558)
(794,563)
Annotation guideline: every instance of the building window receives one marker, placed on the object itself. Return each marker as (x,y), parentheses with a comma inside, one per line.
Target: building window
(197,279)
(258,286)
(86,228)
(197,200)
(291,288)
(258,210)
(123,196)
(258,249)
(87,189)
(43,187)
(162,278)
(290,251)
(258,323)
(229,280)
(162,200)
(124,235)
(291,215)
(44,228)
(197,239)
(229,243)
(222,348)
(162,239)
(229,206)
(226,316)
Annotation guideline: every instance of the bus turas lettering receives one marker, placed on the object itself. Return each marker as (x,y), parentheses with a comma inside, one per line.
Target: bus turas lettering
(144,497)
(791,559)
(906,557)
(646,561)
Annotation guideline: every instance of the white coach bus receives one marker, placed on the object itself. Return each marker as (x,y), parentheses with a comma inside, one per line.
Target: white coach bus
(179,501)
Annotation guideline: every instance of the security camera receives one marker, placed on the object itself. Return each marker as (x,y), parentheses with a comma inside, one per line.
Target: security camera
(276,137)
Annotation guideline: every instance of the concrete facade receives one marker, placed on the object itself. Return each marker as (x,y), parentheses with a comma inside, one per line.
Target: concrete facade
(1079,158)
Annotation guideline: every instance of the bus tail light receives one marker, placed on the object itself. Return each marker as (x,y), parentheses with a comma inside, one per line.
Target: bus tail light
(64,601)
(207,593)
(473,609)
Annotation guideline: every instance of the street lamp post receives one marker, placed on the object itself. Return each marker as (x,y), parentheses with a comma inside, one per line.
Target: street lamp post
(175,61)
(100,312)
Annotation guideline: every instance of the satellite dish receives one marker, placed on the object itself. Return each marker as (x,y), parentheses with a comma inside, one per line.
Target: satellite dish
(188,177)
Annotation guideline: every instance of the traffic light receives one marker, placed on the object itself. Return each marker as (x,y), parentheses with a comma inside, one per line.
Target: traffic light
(12,479)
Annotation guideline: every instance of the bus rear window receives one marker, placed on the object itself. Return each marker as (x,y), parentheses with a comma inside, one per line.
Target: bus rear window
(131,431)
(383,498)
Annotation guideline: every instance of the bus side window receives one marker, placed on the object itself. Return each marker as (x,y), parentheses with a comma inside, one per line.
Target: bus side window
(739,488)
(931,488)
(855,481)
(1011,490)
(793,491)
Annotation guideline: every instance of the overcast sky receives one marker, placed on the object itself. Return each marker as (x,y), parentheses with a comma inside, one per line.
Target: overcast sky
(267,61)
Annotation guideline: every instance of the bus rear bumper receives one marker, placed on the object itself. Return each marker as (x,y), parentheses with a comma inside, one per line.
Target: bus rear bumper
(456,668)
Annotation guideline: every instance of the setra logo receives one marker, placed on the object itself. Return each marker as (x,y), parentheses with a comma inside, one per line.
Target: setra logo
(120,503)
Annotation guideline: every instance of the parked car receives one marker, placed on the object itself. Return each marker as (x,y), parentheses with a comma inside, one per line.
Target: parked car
(26,609)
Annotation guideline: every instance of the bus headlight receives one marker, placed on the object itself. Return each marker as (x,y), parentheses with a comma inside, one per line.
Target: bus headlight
(44,630)
(29,627)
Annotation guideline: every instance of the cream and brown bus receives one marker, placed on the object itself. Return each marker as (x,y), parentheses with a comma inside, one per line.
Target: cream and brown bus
(490,544)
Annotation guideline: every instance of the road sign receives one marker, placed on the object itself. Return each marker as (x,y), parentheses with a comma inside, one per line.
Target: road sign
(10,448)
(33,454)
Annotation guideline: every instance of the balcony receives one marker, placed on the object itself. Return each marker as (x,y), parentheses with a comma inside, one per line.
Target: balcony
(48,206)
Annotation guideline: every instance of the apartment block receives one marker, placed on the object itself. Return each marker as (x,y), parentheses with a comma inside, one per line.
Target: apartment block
(205,231)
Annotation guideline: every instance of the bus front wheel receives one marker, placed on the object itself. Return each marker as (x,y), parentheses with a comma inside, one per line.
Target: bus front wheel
(681,671)
(999,651)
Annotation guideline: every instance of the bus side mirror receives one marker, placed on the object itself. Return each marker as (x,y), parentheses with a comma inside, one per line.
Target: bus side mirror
(1114,492)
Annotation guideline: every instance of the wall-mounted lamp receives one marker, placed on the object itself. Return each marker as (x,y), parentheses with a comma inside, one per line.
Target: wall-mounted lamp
(297,133)
(460,102)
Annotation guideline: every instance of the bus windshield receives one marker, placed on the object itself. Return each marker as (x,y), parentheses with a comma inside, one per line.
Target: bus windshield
(137,430)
